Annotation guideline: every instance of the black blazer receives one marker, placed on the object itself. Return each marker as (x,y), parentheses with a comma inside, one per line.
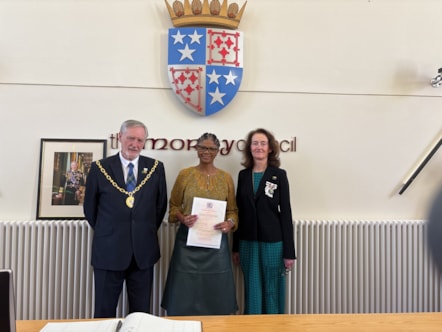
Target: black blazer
(266,216)
(121,232)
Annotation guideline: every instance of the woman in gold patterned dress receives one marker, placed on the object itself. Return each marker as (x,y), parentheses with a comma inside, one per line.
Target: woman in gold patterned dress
(200,279)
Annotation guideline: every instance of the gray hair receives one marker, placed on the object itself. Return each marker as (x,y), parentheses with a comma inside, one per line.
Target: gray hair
(130,124)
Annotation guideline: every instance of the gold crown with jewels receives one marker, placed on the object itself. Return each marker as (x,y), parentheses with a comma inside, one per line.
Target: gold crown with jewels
(184,13)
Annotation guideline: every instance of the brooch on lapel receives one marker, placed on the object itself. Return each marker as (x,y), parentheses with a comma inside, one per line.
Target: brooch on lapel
(144,171)
(270,188)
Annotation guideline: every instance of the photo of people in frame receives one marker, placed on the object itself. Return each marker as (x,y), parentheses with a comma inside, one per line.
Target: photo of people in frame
(69,177)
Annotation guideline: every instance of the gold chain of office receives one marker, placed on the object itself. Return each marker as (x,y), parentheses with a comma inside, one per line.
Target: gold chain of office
(130,200)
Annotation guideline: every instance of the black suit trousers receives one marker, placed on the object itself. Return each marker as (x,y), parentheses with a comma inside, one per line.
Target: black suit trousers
(108,286)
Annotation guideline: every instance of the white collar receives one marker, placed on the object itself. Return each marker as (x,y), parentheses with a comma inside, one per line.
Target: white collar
(126,162)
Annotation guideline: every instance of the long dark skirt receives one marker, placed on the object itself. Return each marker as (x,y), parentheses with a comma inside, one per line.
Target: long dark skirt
(200,280)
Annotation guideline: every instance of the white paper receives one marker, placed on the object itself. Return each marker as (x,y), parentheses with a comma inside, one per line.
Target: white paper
(141,322)
(79,326)
(210,212)
(134,322)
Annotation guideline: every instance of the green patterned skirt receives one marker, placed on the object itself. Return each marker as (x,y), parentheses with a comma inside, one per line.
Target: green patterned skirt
(264,277)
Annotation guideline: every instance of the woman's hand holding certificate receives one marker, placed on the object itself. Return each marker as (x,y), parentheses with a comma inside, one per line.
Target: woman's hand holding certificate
(207,231)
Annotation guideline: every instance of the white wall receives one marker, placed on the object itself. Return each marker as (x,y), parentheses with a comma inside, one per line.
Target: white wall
(348,78)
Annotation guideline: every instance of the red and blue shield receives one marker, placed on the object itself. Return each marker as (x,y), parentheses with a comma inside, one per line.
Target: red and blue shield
(205,67)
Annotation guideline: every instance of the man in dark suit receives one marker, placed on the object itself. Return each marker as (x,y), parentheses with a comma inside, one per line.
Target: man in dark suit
(125,221)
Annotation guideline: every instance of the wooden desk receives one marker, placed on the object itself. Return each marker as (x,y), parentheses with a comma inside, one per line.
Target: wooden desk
(416,322)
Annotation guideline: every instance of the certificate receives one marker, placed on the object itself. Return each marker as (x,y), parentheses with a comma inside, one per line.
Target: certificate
(210,212)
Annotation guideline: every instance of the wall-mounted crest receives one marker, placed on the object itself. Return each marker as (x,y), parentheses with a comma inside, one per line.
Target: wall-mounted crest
(205,53)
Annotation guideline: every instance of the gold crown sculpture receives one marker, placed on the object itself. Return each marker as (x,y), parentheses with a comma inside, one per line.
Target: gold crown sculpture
(198,13)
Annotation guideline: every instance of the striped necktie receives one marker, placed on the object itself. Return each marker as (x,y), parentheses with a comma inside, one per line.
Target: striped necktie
(130,183)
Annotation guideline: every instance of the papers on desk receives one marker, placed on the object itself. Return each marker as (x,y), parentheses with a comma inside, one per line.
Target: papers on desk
(134,322)
(210,212)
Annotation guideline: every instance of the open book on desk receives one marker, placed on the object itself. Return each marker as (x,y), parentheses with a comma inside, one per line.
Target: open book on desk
(134,322)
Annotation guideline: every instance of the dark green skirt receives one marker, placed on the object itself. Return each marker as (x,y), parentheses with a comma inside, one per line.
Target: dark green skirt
(200,280)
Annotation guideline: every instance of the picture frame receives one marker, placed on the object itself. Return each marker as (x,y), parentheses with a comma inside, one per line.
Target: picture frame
(64,166)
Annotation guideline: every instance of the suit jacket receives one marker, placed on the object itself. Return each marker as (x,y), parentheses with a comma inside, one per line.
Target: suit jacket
(266,216)
(121,232)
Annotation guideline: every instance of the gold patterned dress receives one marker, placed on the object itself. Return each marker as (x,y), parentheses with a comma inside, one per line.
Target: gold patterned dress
(200,280)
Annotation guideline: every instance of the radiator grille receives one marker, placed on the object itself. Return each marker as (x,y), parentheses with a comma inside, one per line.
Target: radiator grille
(363,267)
(342,267)
(51,267)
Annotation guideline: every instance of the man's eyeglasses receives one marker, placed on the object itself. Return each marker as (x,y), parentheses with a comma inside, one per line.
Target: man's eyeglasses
(202,148)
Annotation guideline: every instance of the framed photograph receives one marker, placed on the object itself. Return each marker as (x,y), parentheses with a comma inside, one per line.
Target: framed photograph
(64,167)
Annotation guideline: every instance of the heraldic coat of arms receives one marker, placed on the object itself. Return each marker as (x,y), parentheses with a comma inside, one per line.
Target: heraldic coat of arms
(205,53)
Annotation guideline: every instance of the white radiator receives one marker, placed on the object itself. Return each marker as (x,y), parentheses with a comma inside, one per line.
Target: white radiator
(363,267)
(342,267)
(51,265)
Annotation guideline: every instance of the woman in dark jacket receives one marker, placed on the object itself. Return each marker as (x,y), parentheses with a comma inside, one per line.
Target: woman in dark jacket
(263,244)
